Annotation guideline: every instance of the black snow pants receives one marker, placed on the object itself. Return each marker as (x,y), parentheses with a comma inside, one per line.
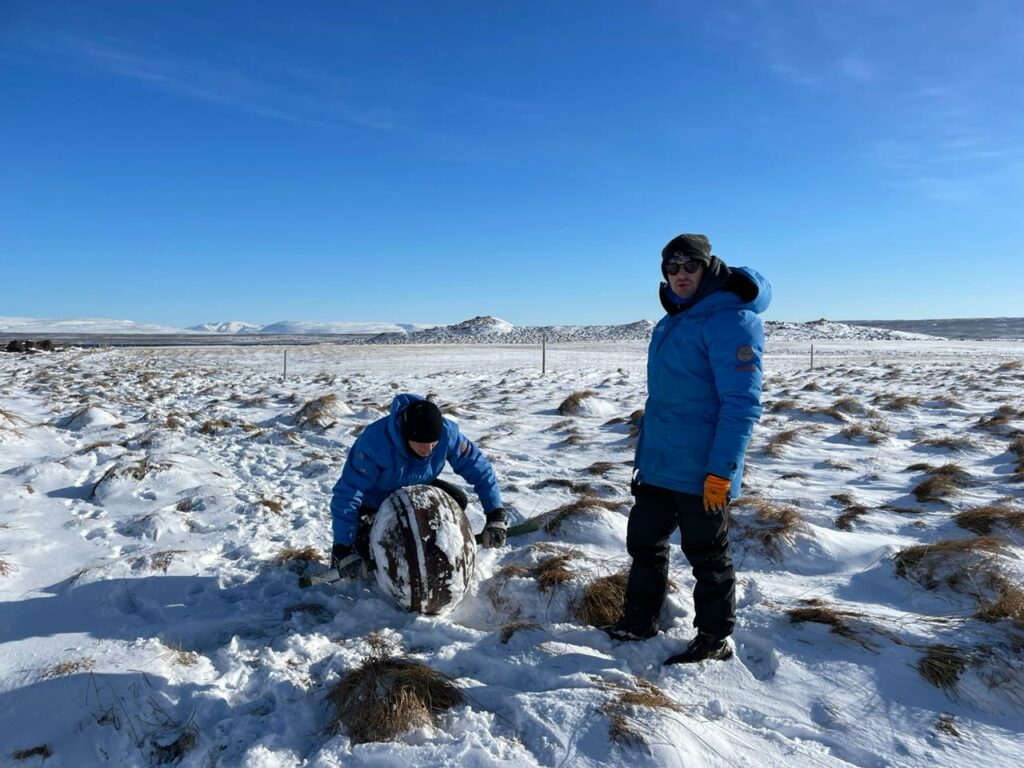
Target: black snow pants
(656,514)
(361,544)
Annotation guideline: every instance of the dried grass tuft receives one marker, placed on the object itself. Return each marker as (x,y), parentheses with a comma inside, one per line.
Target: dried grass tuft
(942,666)
(552,571)
(6,567)
(386,696)
(819,612)
(161,561)
(509,629)
(69,667)
(572,403)
(602,600)
(773,524)
(293,554)
(935,488)
(213,426)
(635,420)
(946,725)
(320,413)
(624,727)
(1008,604)
(1013,365)
(275,506)
(779,441)
(960,564)
(982,520)
(845,521)
(585,505)
(949,443)
(43,751)
(896,402)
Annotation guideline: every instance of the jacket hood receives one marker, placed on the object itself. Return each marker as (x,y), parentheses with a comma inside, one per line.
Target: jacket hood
(741,288)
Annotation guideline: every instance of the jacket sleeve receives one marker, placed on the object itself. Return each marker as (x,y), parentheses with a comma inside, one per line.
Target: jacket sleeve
(358,476)
(735,344)
(473,467)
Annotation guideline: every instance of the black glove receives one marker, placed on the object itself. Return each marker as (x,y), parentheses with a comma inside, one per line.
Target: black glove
(349,570)
(495,530)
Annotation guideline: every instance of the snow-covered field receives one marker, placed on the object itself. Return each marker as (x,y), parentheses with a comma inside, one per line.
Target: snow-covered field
(147,497)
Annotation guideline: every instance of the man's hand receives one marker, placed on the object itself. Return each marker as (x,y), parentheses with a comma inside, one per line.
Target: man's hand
(716,493)
(353,569)
(495,530)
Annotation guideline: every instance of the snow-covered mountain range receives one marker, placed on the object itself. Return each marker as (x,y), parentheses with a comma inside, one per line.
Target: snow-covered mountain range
(484,329)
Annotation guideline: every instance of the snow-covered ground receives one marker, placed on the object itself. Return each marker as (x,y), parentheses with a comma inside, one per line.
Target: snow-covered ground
(146,494)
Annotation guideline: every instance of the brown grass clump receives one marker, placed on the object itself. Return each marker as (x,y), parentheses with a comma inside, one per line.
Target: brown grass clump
(982,520)
(845,521)
(319,413)
(275,506)
(509,629)
(1013,365)
(820,612)
(161,561)
(213,426)
(624,727)
(954,473)
(43,751)
(291,554)
(778,441)
(602,600)
(773,526)
(850,405)
(949,443)
(1008,604)
(6,568)
(635,420)
(782,405)
(584,505)
(571,404)
(935,488)
(942,666)
(957,563)
(896,402)
(386,696)
(552,571)
(65,668)
(946,725)
(601,468)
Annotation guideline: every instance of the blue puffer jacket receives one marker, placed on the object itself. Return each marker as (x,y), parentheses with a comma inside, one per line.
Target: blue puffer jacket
(380,462)
(704,387)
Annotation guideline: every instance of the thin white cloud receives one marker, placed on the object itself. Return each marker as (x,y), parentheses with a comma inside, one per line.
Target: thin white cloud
(274,97)
(857,68)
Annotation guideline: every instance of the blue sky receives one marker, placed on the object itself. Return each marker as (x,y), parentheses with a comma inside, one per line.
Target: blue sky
(181,162)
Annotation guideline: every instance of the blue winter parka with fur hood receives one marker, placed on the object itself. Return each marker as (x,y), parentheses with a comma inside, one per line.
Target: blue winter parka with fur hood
(380,462)
(704,374)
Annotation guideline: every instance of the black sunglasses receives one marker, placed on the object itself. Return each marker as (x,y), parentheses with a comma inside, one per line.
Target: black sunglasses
(689,267)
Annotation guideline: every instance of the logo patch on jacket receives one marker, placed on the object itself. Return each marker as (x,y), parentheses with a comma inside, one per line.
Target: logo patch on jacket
(745,354)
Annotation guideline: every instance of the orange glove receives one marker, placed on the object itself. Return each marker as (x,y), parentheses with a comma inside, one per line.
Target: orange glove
(716,493)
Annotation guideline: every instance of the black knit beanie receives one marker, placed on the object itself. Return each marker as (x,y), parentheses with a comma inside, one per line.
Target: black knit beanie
(422,422)
(684,247)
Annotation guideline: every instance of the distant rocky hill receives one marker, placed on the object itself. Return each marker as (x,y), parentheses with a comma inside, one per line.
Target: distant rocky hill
(824,330)
(493,330)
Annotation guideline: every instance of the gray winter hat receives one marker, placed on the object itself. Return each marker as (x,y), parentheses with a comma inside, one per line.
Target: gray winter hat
(683,247)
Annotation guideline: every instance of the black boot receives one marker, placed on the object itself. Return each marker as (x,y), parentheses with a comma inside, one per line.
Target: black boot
(628,631)
(702,647)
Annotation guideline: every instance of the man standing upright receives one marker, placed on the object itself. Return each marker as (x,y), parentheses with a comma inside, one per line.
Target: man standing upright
(703,399)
